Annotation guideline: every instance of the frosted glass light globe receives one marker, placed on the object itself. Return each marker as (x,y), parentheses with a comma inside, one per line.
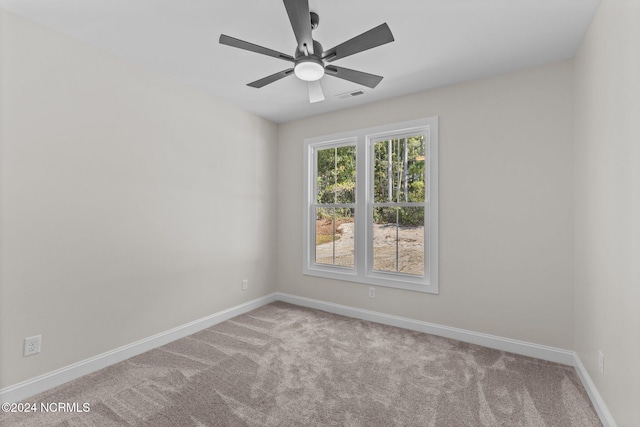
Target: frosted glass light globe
(309,70)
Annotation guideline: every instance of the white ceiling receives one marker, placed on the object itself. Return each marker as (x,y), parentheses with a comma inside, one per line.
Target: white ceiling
(437,42)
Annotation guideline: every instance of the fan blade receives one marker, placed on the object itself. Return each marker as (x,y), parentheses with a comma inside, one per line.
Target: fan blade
(300,17)
(315,92)
(241,44)
(270,79)
(373,38)
(364,79)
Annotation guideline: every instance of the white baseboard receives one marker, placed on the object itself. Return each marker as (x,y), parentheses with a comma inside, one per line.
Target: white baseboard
(23,390)
(594,395)
(552,354)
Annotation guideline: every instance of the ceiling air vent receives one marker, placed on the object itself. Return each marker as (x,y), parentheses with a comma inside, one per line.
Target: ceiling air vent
(350,94)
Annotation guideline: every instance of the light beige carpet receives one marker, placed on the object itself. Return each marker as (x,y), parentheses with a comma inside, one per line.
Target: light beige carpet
(283,365)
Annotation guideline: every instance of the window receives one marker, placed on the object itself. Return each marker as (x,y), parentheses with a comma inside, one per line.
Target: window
(334,205)
(371,206)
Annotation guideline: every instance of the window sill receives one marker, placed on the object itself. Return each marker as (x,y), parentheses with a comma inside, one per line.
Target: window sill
(407,282)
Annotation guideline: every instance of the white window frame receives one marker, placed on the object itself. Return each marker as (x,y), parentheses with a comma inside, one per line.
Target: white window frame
(363,272)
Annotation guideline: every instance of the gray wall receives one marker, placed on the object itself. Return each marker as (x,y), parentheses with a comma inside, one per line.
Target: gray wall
(607,206)
(129,204)
(115,186)
(506,227)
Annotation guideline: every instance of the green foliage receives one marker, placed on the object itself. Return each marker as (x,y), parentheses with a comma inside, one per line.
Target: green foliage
(399,176)
(330,213)
(404,217)
(399,170)
(399,173)
(336,178)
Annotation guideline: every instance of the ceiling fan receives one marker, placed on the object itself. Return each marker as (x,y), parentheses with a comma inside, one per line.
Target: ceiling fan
(309,58)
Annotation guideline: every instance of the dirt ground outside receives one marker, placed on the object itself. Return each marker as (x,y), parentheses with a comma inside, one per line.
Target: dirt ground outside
(395,249)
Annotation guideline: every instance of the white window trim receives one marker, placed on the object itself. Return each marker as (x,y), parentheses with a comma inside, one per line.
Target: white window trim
(363,271)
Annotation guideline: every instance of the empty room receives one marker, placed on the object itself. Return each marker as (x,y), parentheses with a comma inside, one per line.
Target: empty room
(320,212)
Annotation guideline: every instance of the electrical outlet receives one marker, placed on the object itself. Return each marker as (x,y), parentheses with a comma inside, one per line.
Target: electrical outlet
(32,345)
(601,362)
(372,292)
(245,284)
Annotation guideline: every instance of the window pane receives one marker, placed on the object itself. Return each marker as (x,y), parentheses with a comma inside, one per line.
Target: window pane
(411,240)
(346,174)
(334,236)
(336,179)
(384,239)
(398,240)
(399,170)
(326,175)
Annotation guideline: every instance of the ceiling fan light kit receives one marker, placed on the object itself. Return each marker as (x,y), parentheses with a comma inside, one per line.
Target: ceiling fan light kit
(309,69)
(309,58)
